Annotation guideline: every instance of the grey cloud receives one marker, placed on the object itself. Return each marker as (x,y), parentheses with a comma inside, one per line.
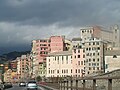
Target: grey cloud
(68,12)
(24,20)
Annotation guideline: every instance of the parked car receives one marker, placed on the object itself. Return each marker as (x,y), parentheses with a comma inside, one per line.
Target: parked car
(1,86)
(32,85)
(7,84)
(22,84)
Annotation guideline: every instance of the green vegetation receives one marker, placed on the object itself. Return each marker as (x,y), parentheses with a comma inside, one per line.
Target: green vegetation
(38,78)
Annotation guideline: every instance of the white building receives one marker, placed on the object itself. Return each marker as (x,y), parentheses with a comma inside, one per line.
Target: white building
(112,60)
(59,64)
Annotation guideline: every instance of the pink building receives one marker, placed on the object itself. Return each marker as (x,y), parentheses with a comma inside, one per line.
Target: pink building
(44,46)
(78,62)
(23,66)
(41,48)
(56,43)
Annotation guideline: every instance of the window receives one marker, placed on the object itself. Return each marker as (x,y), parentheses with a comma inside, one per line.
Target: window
(83,50)
(106,66)
(81,62)
(78,56)
(76,70)
(98,59)
(82,31)
(89,49)
(78,62)
(62,57)
(89,43)
(89,60)
(78,51)
(62,61)
(114,56)
(86,49)
(84,56)
(93,54)
(98,54)
(74,50)
(97,68)
(93,60)
(98,48)
(62,71)
(97,43)
(89,68)
(75,56)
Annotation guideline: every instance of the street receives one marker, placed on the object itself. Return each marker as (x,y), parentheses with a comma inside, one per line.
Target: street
(16,87)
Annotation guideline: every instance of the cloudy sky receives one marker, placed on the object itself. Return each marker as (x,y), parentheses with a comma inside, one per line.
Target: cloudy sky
(21,21)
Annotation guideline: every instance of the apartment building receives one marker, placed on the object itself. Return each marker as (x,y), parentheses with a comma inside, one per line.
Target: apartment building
(59,64)
(56,44)
(94,50)
(41,48)
(23,67)
(18,68)
(96,40)
(78,59)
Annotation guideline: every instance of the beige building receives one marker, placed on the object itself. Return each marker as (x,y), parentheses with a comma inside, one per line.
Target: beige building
(23,67)
(112,60)
(94,56)
(8,76)
(59,64)
(96,40)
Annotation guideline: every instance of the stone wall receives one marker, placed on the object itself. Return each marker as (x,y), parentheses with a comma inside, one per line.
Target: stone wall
(101,81)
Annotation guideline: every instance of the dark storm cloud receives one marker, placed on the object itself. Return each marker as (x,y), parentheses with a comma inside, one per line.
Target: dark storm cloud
(73,12)
(24,20)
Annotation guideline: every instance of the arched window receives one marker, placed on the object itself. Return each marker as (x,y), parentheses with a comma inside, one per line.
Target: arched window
(114,56)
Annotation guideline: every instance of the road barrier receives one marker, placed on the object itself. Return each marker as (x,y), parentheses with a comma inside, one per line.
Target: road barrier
(90,83)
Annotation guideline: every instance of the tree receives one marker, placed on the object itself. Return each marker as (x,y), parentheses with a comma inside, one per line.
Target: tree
(38,78)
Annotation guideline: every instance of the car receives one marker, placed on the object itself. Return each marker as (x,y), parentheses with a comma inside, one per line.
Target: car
(7,85)
(22,84)
(32,85)
(1,86)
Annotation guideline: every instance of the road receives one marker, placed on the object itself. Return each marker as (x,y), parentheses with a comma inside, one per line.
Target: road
(16,87)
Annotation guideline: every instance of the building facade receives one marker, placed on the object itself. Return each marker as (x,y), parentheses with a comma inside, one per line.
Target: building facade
(112,60)
(59,64)
(56,44)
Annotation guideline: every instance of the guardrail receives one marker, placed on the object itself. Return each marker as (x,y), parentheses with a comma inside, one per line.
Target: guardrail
(90,83)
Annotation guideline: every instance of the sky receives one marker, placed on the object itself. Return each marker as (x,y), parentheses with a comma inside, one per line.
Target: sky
(22,21)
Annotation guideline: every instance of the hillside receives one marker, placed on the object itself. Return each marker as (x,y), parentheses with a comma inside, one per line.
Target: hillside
(12,55)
